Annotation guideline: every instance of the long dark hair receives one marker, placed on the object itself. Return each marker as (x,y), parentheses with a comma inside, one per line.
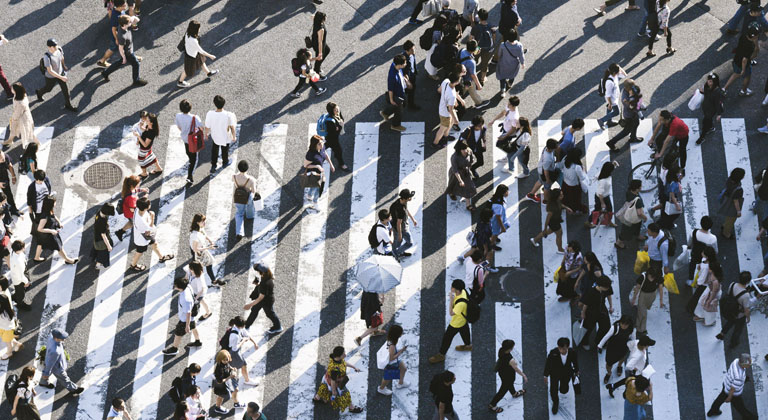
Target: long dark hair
(394,333)
(591,259)
(317,22)
(155,130)
(6,306)
(30,152)
(498,195)
(606,170)
(196,220)
(181,410)
(193,29)
(715,82)
(48,204)
(313,141)
(573,157)
(19,91)
(525,125)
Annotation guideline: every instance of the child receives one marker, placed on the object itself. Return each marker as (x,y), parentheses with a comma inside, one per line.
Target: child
(28,159)
(138,128)
(18,264)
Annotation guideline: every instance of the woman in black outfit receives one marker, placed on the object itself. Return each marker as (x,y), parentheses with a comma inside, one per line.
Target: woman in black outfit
(711,105)
(506,367)
(320,42)
(370,304)
(334,125)
(615,344)
(24,407)
(263,297)
(48,233)
(102,240)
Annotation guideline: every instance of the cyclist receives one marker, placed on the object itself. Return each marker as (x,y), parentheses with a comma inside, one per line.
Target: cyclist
(671,131)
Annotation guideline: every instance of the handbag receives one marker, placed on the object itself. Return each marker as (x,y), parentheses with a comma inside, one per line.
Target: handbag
(431,8)
(149,235)
(627,214)
(205,258)
(377,319)
(308,40)
(695,102)
(683,259)
(670,208)
(557,273)
(310,180)
(382,356)
(182,47)
(576,385)
(196,137)
(258,203)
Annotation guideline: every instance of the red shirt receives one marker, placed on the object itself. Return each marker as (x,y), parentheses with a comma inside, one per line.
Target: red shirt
(677,128)
(129,205)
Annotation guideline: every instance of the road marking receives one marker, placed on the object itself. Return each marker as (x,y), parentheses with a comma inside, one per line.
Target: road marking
(509,256)
(509,325)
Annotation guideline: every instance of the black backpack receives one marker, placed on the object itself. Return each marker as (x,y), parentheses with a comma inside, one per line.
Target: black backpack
(473,309)
(443,55)
(176,393)
(296,67)
(373,239)
(425,40)
(729,304)
(601,88)
(119,206)
(671,243)
(42,67)
(224,340)
(477,293)
(11,386)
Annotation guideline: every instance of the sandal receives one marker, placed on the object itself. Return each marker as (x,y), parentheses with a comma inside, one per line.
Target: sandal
(650,54)
(73,261)
(166,258)
(518,394)
(156,172)
(496,410)
(204,317)
(356,410)
(138,267)
(671,51)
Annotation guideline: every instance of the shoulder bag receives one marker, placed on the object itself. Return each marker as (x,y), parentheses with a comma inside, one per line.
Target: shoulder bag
(196,137)
(310,180)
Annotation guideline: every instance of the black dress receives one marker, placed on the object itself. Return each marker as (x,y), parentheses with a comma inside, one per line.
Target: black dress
(49,241)
(616,346)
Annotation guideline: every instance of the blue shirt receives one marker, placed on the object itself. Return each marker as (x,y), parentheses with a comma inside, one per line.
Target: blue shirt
(498,210)
(656,252)
(396,83)
(54,356)
(468,60)
(568,141)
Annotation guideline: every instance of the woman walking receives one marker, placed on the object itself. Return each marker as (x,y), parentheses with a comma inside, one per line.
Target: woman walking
(711,105)
(24,407)
(28,160)
(674,193)
(484,242)
(314,174)
(460,181)
(370,312)
(8,324)
(507,368)
(238,336)
(603,206)
(320,43)
(474,136)
(200,245)
(395,368)
(48,229)
(196,410)
(574,181)
(102,240)
(334,125)
(660,23)
(147,158)
(225,383)
(707,307)
(333,388)
(199,287)
(144,233)
(194,55)
(22,125)
(184,121)
(553,223)
(731,201)
(628,232)
(305,73)
(615,345)
(591,271)
(511,60)
(570,269)
(263,297)
(523,151)
(129,194)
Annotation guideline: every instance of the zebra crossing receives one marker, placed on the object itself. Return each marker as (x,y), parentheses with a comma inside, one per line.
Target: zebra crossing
(151,375)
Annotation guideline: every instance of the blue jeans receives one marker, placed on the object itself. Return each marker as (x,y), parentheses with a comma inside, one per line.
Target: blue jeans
(243,211)
(633,411)
(396,248)
(519,156)
(614,111)
(311,194)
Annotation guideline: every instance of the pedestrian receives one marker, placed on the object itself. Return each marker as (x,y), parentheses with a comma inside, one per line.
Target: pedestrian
(28,159)
(673,206)
(48,233)
(447,109)
(237,337)
(55,73)
(320,42)
(630,100)
(395,368)
(511,59)
(314,174)
(657,246)
(699,240)
(499,222)
(568,138)
(570,270)
(760,206)
(731,200)
(397,83)
(144,232)
(333,387)
(118,410)
(511,125)
(6,166)
(194,55)
(245,191)
(56,364)
(575,183)
(706,307)
(129,193)
(200,245)
(610,82)
(733,387)
(302,70)
(615,344)
(9,95)
(561,367)
(744,7)
(474,136)
(451,15)
(457,308)
(8,322)
(711,105)
(21,123)
(460,183)
(482,242)
(263,297)
(437,31)
(414,20)
(631,231)
(24,407)
(253,412)
(184,122)
(591,270)
(186,313)
(746,51)
(370,312)
(554,220)
(508,19)
(638,393)
(37,192)
(181,412)
(194,274)
(442,393)
(661,23)
(125,47)
(334,127)
(523,150)
(102,239)
(738,316)
(548,174)
(410,71)
(643,295)
(118,8)
(225,384)
(400,225)
(147,157)
(221,126)
(469,16)
(467,57)
(601,10)
(17,273)
(485,36)
(196,411)
(593,310)
(507,369)
(636,361)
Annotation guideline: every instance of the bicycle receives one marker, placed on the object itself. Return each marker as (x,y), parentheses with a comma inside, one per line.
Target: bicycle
(649,173)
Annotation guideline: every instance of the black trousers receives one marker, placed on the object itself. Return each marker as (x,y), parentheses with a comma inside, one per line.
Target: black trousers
(396,111)
(629,128)
(19,293)
(479,162)
(129,59)
(268,311)
(556,384)
(507,385)
(192,161)
(451,332)
(682,144)
(736,402)
(417,9)
(215,154)
(50,82)
(411,93)
(332,142)
(694,300)
(739,324)
(706,124)
(603,325)
(302,82)
(655,30)
(9,195)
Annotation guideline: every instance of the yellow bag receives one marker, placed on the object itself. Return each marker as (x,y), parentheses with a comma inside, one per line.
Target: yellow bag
(671,284)
(557,273)
(695,283)
(642,262)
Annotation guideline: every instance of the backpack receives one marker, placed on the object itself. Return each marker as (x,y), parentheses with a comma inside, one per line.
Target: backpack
(373,239)
(24,165)
(729,304)
(241,193)
(296,67)
(722,195)
(176,393)
(473,309)
(321,129)
(485,40)
(11,386)
(443,55)
(42,67)
(477,292)
(224,340)
(119,206)
(671,243)
(425,40)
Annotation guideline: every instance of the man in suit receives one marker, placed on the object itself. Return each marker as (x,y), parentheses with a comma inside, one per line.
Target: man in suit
(562,364)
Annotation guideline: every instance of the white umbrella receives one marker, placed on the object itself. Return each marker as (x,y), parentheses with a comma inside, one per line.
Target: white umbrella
(379,273)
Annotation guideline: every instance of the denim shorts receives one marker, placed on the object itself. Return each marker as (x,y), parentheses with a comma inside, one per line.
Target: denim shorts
(737,68)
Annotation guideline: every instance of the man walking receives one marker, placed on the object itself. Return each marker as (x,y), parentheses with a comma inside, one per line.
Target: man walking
(384,236)
(400,215)
(397,82)
(738,315)
(55,73)
(467,58)
(118,8)
(56,363)
(221,126)
(484,34)
(3,79)
(6,166)
(409,50)
(733,387)
(447,109)
(253,412)
(186,322)
(561,366)
(458,300)
(644,294)
(125,47)
(657,246)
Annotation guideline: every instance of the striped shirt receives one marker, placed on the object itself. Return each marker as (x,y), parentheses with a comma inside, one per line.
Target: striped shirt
(735,378)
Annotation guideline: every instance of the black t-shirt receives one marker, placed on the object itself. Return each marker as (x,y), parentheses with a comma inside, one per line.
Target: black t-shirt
(595,300)
(397,211)
(744,49)
(503,368)
(315,158)
(444,394)
(267,288)
(100,226)
(125,38)
(4,165)
(647,285)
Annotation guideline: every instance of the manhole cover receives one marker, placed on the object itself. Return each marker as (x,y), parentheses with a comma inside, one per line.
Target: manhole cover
(103,175)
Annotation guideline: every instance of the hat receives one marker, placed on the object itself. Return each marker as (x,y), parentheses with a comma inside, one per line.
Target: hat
(604,281)
(646,341)
(52,42)
(59,334)
(406,193)
(261,268)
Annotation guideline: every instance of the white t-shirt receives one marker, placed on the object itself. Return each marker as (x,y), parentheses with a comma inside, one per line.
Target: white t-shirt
(572,176)
(18,265)
(195,407)
(235,339)
(604,187)
(707,239)
(192,46)
(186,301)
(612,89)
(114,414)
(469,273)
(218,122)
(199,288)
(447,98)
(42,191)
(196,236)
(523,140)
(141,225)
(383,236)
(511,120)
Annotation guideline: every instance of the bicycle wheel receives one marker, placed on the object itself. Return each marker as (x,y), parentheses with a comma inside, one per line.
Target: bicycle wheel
(646,174)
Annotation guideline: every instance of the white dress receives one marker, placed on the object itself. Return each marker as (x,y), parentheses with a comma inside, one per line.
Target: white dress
(22,124)
(709,312)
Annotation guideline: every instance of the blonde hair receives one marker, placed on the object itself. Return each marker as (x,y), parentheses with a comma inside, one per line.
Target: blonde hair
(223,355)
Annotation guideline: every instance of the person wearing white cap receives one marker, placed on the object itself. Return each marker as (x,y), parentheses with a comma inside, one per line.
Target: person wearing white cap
(56,363)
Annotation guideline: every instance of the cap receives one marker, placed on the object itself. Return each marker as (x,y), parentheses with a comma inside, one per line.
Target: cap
(646,341)
(406,193)
(52,42)
(59,334)
(260,267)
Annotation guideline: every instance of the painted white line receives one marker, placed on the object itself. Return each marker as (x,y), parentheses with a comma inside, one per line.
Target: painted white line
(509,256)
(458,222)
(159,288)
(405,402)
(509,325)
(309,293)
(558,314)
(61,278)
(749,252)
(264,246)
(661,356)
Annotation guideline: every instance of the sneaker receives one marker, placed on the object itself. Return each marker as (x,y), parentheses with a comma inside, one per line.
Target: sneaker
(219,410)
(415,22)
(460,259)
(637,140)
(170,351)
(763,130)
(600,125)
(534,198)
(320,91)
(251,383)
(213,170)
(195,343)
(238,405)
(139,82)
(720,336)
(765,101)
(102,64)
(455,128)
(609,387)
(48,385)
(437,358)
(496,248)
(323,78)
(105,76)
(295,95)
(405,384)
(406,254)
(182,84)
(746,92)
(534,243)
(384,391)
(523,175)
(71,108)
(641,35)
(399,128)
(273,330)
(492,269)
(77,391)
(483,104)
(212,73)
(39,95)
(701,139)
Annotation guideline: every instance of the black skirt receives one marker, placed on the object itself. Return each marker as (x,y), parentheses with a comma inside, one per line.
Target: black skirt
(192,64)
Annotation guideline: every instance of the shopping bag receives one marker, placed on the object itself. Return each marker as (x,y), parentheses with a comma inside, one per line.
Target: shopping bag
(641,262)
(578,331)
(576,385)
(431,8)
(258,203)
(382,357)
(695,283)
(682,259)
(695,102)
(557,273)
(671,284)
